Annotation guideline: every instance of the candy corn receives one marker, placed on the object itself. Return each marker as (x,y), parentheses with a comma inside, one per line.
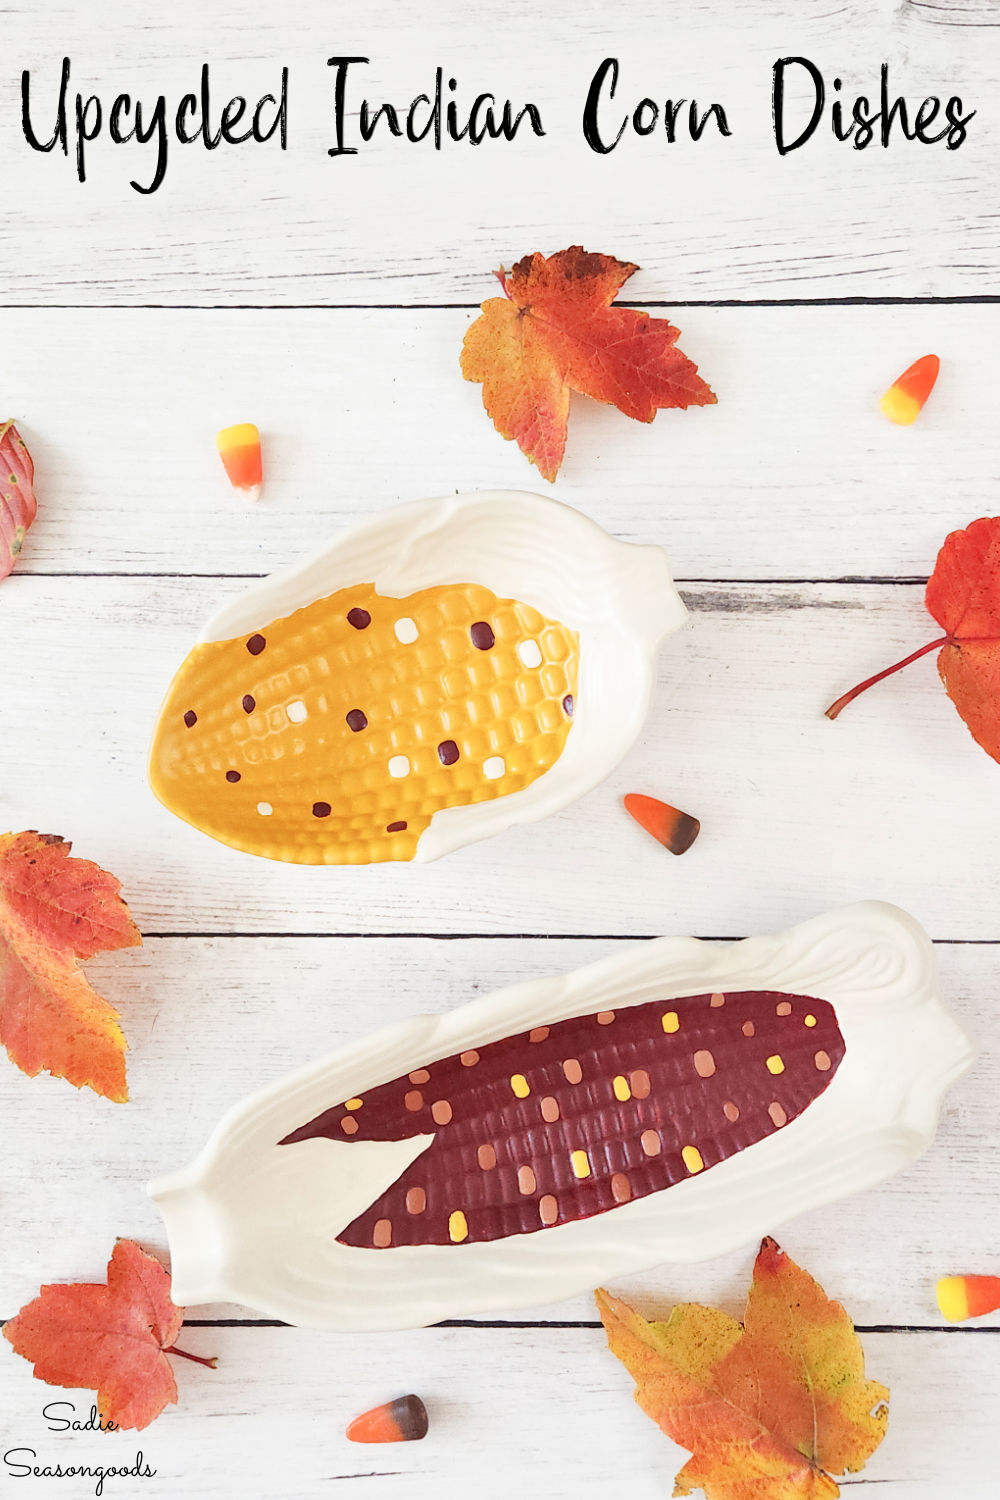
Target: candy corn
(401,1421)
(961,1297)
(674,829)
(239,449)
(904,400)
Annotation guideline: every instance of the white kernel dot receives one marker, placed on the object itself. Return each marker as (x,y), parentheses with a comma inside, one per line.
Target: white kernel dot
(399,766)
(530,653)
(494,768)
(406,631)
(297,712)
(265,809)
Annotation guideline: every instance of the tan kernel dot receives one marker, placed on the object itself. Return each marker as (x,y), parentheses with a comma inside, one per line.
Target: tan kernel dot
(580,1162)
(420,1075)
(605,1017)
(810,1020)
(353,1103)
(731,1111)
(349,1125)
(572,1070)
(458,1227)
(621,1188)
(650,1142)
(520,1085)
(748,1028)
(717,1001)
(822,1061)
(414,1100)
(538,1034)
(784,1009)
(550,1109)
(487,1158)
(621,1088)
(548,1209)
(441,1112)
(692,1158)
(470,1058)
(774,1064)
(777,1113)
(525,1181)
(671,1022)
(382,1234)
(416,1200)
(704,1063)
(640,1083)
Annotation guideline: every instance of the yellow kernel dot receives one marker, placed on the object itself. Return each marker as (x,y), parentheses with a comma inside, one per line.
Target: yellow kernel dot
(621,1088)
(354,1103)
(810,1020)
(580,1162)
(692,1158)
(458,1228)
(775,1064)
(671,1022)
(520,1086)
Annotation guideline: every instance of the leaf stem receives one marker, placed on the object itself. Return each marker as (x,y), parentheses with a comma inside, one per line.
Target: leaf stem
(198,1359)
(841,703)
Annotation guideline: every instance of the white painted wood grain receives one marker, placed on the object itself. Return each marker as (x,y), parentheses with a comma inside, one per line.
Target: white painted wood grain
(725,217)
(794,474)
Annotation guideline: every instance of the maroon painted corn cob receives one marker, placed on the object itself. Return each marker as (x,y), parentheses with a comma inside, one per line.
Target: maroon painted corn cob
(578,1117)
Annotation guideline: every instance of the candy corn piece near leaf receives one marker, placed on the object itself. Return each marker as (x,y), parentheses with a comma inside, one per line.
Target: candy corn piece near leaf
(674,829)
(904,400)
(401,1421)
(961,1297)
(239,449)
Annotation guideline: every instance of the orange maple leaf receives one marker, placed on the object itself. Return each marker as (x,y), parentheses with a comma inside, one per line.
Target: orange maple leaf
(555,330)
(769,1408)
(111,1339)
(18,506)
(55,910)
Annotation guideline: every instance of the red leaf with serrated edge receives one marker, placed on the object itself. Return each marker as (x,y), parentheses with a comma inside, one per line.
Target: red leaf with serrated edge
(111,1339)
(555,331)
(18,505)
(963,595)
(54,911)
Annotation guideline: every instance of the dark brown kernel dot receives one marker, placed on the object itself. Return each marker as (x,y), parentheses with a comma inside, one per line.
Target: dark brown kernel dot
(395,828)
(356,720)
(321,809)
(256,644)
(447,752)
(190,718)
(232,775)
(249,704)
(568,705)
(359,618)
(482,636)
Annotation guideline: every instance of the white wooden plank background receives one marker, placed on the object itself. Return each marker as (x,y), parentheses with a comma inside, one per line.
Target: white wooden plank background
(327,302)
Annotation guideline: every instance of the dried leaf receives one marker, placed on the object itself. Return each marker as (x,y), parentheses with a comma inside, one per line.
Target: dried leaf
(18,506)
(554,330)
(55,910)
(769,1408)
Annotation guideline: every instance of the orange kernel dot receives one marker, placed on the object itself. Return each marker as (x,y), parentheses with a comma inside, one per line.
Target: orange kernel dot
(487,1158)
(525,1181)
(784,1009)
(414,1100)
(775,1065)
(548,1209)
(538,1034)
(605,1017)
(416,1200)
(731,1111)
(573,1071)
(777,1113)
(717,1001)
(748,1028)
(621,1188)
(650,1142)
(822,1061)
(441,1112)
(470,1058)
(420,1075)
(704,1063)
(520,1086)
(382,1234)
(639,1081)
(550,1109)
(349,1125)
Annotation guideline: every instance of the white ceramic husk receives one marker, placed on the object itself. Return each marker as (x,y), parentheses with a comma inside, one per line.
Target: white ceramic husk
(253,1222)
(618,596)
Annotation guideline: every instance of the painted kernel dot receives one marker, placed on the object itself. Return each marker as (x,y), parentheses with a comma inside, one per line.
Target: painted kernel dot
(416,1200)
(538,1033)
(810,1020)
(482,636)
(382,1234)
(265,809)
(359,618)
(420,1075)
(572,1070)
(650,1142)
(349,1125)
(731,1111)
(249,703)
(822,1061)
(704,1063)
(580,1162)
(441,1112)
(525,1181)
(190,718)
(784,1009)
(621,1188)
(321,809)
(399,766)
(494,767)
(548,1209)
(520,1085)
(530,653)
(717,1001)
(550,1109)
(447,752)
(774,1064)
(777,1113)
(487,1158)
(256,644)
(354,1103)
(639,1081)
(691,1157)
(470,1058)
(621,1089)
(605,1017)
(458,1227)
(406,631)
(671,1022)
(233,777)
(568,707)
(297,712)
(395,827)
(414,1100)
(357,720)
(748,1028)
